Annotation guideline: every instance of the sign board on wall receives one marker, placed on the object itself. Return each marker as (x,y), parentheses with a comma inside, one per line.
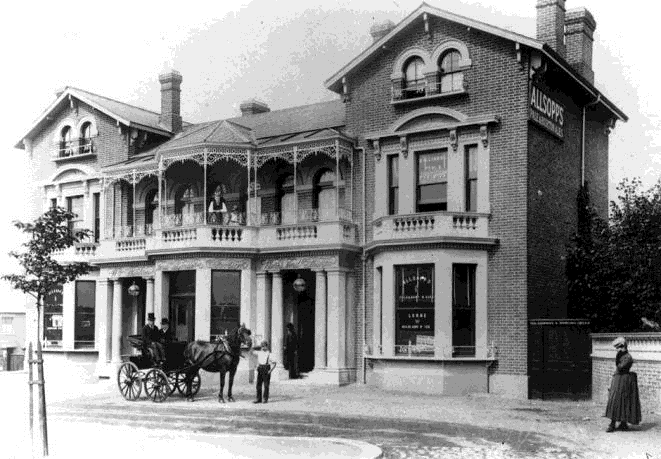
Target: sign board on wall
(546,112)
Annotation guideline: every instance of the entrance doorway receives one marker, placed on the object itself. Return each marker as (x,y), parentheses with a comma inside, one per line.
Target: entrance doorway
(299,310)
(182,305)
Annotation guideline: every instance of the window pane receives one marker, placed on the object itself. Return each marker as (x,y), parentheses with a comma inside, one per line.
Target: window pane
(432,167)
(463,310)
(84,314)
(393,184)
(414,309)
(53,318)
(433,193)
(97,217)
(471,178)
(450,62)
(225,302)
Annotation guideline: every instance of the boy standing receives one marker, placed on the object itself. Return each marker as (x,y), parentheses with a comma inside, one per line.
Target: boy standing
(265,365)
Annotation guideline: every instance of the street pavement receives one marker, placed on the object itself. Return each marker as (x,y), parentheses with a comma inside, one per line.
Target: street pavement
(303,420)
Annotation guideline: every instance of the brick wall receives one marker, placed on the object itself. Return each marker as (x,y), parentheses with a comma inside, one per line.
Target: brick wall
(646,352)
(496,84)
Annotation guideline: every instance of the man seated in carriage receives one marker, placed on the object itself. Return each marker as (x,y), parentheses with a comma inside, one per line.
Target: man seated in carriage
(151,339)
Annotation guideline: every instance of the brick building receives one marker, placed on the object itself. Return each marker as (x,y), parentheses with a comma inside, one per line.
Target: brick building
(409,230)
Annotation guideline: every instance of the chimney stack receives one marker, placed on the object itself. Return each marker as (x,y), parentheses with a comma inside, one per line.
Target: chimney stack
(381,29)
(551,24)
(253,107)
(171,101)
(579,35)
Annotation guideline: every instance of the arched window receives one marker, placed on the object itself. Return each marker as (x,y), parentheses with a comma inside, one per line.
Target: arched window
(184,207)
(414,79)
(86,138)
(452,78)
(151,211)
(65,142)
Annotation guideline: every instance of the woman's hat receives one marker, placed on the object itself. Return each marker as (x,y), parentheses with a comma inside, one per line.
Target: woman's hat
(165,321)
(264,344)
(619,342)
(150,316)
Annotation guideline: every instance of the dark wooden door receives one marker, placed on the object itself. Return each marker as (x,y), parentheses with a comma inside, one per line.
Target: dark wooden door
(559,359)
(182,318)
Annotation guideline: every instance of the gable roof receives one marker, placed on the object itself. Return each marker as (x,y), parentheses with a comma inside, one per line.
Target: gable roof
(216,132)
(126,114)
(334,83)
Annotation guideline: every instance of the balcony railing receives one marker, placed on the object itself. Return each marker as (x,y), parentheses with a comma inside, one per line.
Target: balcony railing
(81,251)
(73,148)
(186,231)
(432,224)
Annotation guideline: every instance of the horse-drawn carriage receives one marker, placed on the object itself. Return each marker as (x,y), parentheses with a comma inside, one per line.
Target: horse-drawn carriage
(181,369)
(159,381)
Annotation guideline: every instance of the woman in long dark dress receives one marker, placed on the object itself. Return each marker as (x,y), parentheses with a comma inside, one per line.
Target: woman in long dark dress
(623,400)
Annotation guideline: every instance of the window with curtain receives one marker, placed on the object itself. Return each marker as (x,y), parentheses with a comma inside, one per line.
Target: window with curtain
(86,138)
(452,78)
(414,78)
(84,314)
(471,178)
(225,302)
(97,217)
(393,184)
(414,309)
(65,142)
(463,310)
(432,181)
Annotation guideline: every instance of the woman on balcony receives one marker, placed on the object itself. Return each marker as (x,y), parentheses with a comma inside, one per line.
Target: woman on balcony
(217,207)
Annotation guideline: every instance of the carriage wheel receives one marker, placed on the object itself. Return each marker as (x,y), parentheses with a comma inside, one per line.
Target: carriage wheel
(128,381)
(172,381)
(181,383)
(157,386)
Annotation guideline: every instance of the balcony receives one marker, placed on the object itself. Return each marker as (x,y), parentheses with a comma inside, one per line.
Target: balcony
(81,251)
(451,225)
(268,231)
(73,149)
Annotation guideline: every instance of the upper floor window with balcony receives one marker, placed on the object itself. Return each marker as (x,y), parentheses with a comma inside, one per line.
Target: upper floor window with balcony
(323,195)
(414,78)
(471,178)
(286,199)
(451,76)
(65,145)
(432,181)
(393,184)
(184,206)
(86,138)
(75,205)
(151,211)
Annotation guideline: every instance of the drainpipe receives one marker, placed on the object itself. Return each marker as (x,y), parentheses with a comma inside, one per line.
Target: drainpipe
(589,104)
(363,259)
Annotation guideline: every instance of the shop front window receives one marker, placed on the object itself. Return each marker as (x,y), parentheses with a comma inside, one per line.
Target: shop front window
(414,309)
(84,314)
(463,310)
(225,302)
(53,318)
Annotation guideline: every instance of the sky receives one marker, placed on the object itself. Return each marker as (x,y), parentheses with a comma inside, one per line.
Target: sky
(278,51)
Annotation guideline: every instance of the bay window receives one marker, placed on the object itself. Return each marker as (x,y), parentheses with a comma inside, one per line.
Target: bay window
(414,309)
(463,310)
(84,314)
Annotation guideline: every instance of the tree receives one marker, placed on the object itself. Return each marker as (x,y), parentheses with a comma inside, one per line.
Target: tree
(614,268)
(42,274)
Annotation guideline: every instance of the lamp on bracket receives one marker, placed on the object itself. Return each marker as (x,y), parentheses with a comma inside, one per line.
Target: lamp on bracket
(376,146)
(454,141)
(404,146)
(484,136)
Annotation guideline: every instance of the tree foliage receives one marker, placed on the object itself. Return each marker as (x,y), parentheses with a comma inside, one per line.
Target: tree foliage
(47,235)
(614,268)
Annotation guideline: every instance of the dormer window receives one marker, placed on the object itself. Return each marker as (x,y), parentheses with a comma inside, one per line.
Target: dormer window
(86,138)
(65,142)
(414,78)
(451,76)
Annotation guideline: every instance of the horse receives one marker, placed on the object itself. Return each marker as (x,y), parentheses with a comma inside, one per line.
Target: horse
(219,357)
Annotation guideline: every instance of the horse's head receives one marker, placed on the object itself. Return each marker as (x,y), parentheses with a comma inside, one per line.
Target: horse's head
(244,335)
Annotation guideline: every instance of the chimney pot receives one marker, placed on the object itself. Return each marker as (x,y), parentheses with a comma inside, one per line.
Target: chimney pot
(171,101)
(551,24)
(381,29)
(579,37)
(253,107)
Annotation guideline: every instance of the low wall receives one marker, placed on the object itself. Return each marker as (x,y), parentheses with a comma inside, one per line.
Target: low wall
(645,348)
(428,376)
